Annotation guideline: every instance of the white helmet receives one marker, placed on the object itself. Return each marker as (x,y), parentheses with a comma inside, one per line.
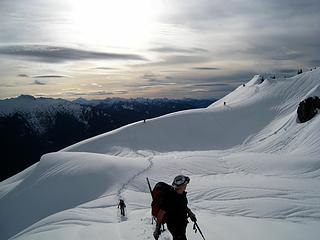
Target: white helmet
(180,180)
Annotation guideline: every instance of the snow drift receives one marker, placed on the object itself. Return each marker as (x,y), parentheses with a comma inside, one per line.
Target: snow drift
(254,172)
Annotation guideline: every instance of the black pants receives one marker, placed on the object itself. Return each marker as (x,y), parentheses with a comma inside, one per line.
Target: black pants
(178,232)
(122,211)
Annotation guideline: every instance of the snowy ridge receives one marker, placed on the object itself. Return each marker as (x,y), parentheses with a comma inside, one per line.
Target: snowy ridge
(27,104)
(254,110)
(254,172)
(37,111)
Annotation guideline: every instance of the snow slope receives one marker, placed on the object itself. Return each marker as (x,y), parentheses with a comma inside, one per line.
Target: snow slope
(254,172)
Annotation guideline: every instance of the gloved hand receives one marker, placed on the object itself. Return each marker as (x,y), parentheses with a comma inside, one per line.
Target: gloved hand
(157,231)
(192,216)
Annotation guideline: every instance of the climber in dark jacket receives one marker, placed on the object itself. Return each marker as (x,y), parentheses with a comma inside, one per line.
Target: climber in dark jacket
(122,205)
(175,208)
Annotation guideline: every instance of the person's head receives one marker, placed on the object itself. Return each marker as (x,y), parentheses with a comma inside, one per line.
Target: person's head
(180,183)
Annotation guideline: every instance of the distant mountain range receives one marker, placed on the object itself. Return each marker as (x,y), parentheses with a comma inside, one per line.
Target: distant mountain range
(39,125)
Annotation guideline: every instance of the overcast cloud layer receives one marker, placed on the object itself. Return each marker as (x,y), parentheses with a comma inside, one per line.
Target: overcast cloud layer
(160,48)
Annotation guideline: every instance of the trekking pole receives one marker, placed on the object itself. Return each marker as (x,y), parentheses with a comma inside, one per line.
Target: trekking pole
(151,196)
(197,226)
(150,187)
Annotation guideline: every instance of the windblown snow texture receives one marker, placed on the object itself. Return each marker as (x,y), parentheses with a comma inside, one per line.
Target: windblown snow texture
(254,172)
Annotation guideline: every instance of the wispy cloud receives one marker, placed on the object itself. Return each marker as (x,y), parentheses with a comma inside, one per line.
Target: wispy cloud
(175,60)
(216,90)
(153,80)
(177,50)
(121,92)
(23,75)
(71,94)
(49,76)
(199,90)
(37,82)
(90,93)
(96,85)
(56,54)
(210,85)
(105,68)
(206,68)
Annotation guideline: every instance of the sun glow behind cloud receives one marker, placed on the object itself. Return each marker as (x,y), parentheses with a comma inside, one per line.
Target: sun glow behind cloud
(194,44)
(120,23)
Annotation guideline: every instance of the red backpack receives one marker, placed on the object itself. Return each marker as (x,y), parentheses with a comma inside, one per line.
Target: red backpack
(159,194)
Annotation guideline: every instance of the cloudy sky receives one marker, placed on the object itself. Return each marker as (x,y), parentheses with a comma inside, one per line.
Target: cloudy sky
(151,48)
